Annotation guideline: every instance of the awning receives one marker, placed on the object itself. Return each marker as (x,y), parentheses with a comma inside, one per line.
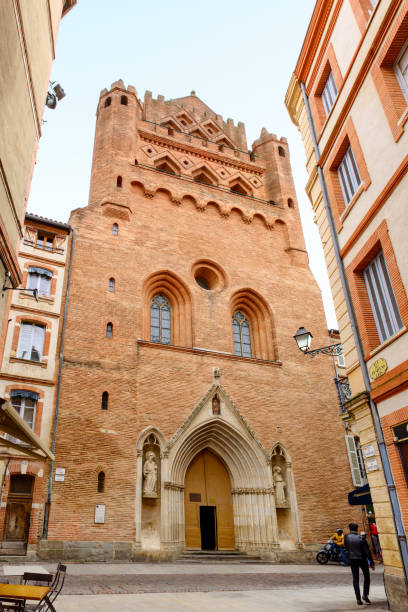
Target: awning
(40,271)
(360,496)
(27,442)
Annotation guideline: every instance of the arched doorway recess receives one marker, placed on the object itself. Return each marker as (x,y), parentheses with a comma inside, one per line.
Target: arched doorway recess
(209,516)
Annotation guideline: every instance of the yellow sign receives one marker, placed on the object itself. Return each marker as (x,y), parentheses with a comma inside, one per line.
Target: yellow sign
(378,368)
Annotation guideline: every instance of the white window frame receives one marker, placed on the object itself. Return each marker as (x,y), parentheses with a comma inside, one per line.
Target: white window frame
(35,280)
(400,66)
(329,94)
(349,176)
(21,352)
(382,298)
(21,409)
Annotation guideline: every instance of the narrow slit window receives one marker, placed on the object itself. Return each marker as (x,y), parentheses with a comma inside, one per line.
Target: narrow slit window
(118,181)
(115,229)
(111,285)
(105,400)
(101,482)
(109,330)
(160,320)
(242,335)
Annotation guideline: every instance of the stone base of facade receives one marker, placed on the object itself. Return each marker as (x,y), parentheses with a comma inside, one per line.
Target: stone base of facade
(128,551)
(397,592)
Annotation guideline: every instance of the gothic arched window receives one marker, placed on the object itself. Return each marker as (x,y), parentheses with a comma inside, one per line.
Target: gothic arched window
(242,336)
(160,323)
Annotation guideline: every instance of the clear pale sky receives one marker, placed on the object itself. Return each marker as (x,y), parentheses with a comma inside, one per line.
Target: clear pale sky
(237,55)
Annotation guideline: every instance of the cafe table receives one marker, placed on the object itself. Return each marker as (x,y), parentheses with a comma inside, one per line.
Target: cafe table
(19,593)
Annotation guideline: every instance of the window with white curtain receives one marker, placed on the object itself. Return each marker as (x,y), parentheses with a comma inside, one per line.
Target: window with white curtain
(25,403)
(40,279)
(382,299)
(349,176)
(31,341)
(329,94)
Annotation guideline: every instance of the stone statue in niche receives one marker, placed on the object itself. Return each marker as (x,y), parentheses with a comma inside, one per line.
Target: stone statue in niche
(150,475)
(216,405)
(280,486)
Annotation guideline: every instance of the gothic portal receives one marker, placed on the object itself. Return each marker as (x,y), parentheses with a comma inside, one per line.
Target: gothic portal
(181,382)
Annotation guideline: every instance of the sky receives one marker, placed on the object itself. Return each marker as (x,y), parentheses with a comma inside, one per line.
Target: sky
(237,55)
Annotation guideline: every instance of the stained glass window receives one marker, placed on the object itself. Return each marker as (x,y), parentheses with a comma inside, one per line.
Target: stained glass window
(160,322)
(242,337)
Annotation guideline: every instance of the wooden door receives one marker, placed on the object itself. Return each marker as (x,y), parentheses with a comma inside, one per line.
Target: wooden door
(17,520)
(207,484)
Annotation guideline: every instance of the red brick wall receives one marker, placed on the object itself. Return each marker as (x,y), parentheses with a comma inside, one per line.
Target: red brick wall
(294,403)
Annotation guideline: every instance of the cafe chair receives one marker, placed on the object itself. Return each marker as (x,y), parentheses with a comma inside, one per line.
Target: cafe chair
(55,589)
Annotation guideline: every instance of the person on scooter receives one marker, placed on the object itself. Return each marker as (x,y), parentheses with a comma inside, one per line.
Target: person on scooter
(338,543)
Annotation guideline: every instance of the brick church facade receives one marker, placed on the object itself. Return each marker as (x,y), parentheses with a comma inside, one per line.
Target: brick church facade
(188,417)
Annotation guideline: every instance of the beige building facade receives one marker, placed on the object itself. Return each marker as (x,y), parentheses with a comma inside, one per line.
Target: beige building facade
(29,377)
(27,49)
(349,98)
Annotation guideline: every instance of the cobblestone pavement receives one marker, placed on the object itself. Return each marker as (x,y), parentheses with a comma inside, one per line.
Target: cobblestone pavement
(195,587)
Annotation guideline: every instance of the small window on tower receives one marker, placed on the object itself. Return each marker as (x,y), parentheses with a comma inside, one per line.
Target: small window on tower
(124,100)
(115,229)
(105,400)
(109,330)
(118,181)
(108,102)
(281,151)
(111,285)
(101,482)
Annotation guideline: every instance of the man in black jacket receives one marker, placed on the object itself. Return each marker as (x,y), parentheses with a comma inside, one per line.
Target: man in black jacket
(358,552)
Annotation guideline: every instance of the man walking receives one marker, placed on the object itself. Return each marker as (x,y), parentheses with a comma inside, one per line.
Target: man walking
(358,551)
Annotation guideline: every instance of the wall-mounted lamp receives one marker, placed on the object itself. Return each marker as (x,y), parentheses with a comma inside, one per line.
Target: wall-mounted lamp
(54,93)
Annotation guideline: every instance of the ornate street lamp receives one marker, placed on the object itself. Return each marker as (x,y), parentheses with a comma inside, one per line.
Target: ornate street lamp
(303,340)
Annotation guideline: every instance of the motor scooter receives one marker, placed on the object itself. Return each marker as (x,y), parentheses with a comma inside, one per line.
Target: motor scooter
(325,554)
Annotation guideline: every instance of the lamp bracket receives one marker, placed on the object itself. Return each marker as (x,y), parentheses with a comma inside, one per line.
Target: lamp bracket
(332,349)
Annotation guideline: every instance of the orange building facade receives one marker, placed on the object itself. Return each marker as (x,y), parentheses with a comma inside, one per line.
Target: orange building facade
(349,98)
(188,418)
(29,378)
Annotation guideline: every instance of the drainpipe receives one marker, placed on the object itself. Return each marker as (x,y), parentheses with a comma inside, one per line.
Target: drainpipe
(61,361)
(395,507)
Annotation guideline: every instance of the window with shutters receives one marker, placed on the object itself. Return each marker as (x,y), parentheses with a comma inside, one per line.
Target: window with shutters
(382,299)
(329,94)
(349,176)
(31,341)
(242,336)
(357,467)
(341,360)
(25,404)
(45,241)
(401,69)
(160,320)
(40,279)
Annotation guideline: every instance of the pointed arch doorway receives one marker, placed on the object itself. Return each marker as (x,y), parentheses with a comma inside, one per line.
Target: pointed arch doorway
(209,516)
